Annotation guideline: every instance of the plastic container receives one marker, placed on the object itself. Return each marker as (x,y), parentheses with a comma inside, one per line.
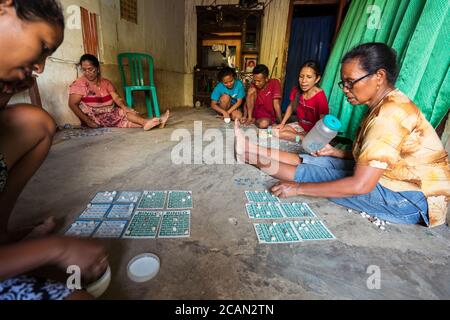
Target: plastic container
(99,287)
(143,268)
(323,132)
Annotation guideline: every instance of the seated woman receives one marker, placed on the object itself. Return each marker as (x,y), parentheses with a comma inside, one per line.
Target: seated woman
(228,95)
(96,102)
(31,31)
(398,170)
(310,102)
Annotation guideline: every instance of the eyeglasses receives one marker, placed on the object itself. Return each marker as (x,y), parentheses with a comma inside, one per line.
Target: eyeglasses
(350,84)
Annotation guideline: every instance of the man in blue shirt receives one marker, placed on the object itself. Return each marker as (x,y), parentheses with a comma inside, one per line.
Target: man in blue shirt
(228,95)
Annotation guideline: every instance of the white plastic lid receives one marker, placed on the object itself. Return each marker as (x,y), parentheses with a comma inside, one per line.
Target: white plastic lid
(143,268)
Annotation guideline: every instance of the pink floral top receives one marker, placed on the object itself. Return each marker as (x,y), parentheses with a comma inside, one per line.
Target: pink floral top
(97,102)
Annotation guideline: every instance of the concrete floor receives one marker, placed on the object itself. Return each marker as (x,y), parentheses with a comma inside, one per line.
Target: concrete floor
(222,259)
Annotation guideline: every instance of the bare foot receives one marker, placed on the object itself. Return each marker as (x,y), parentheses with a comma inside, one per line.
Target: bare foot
(151,123)
(240,143)
(243,144)
(164,119)
(42,230)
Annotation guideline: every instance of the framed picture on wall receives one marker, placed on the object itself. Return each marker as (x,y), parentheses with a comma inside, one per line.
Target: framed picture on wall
(250,63)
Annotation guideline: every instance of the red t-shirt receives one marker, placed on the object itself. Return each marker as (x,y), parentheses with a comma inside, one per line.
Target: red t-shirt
(310,110)
(264,101)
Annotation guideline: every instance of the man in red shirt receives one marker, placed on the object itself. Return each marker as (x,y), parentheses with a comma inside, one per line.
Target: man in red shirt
(263,105)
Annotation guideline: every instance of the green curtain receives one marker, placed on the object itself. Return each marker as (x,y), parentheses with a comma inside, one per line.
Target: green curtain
(419,30)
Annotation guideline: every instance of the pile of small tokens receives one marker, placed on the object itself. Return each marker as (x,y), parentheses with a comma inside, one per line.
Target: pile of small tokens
(381,224)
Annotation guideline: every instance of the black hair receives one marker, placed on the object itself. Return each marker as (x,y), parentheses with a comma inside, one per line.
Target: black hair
(261,69)
(43,10)
(309,64)
(226,71)
(91,58)
(313,64)
(375,56)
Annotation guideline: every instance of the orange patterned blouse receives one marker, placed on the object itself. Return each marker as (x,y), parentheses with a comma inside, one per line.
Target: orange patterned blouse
(396,137)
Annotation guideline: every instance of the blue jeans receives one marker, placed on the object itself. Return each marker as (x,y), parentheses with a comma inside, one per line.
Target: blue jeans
(409,207)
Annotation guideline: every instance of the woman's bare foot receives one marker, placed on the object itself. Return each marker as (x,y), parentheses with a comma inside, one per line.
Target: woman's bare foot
(243,143)
(164,119)
(151,123)
(239,145)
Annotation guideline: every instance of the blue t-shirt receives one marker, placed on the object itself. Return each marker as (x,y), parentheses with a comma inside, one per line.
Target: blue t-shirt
(237,92)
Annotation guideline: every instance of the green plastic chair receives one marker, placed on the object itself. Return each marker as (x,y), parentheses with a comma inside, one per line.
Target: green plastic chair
(135,62)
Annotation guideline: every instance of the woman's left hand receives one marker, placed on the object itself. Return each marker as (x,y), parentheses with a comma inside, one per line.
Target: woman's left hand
(286,189)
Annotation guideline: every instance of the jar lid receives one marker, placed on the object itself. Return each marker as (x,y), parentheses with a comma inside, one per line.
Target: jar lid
(143,268)
(332,122)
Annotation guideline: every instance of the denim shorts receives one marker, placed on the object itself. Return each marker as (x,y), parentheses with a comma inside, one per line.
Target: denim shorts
(408,207)
(3,173)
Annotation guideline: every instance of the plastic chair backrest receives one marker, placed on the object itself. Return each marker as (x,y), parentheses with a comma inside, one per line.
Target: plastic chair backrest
(136,62)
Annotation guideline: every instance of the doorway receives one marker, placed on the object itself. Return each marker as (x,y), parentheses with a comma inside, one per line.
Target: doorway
(312,30)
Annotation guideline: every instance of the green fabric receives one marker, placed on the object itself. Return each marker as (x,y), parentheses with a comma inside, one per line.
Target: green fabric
(419,30)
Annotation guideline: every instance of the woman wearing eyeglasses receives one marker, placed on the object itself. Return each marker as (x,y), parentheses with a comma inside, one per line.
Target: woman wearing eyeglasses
(398,169)
(96,102)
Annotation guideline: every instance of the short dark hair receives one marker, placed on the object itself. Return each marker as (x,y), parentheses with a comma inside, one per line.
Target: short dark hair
(43,10)
(261,69)
(91,58)
(226,71)
(375,56)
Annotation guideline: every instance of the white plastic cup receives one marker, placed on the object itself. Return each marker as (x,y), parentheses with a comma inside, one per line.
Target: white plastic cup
(227,120)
